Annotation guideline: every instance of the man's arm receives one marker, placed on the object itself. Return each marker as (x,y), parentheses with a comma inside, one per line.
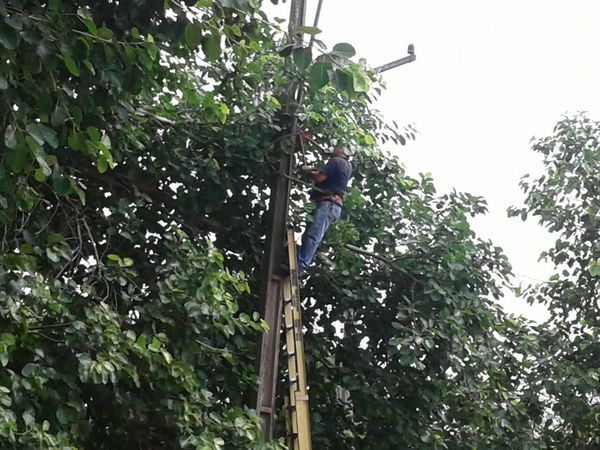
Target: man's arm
(321,174)
(314,174)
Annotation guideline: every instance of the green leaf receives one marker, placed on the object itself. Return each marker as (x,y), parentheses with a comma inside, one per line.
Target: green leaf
(152,50)
(102,164)
(28,417)
(80,326)
(286,51)
(167,356)
(79,191)
(105,33)
(222,112)
(62,186)
(26,248)
(59,116)
(94,134)
(15,22)
(29,369)
(344,50)
(39,175)
(106,154)
(65,415)
(52,256)
(342,79)
(309,30)
(71,65)
(105,141)
(236,30)
(8,38)
(154,345)
(594,268)
(76,141)
(360,83)
(211,46)
(127,262)
(302,57)
(54,238)
(42,134)
(319,75)
(10,136)
(91,26)
(86,17)
(193,34)
(17,158)
(274,103)
(3,83)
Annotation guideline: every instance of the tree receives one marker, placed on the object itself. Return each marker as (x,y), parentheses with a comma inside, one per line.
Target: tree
(138,151)
(428,358)
(121,326)
(566,201)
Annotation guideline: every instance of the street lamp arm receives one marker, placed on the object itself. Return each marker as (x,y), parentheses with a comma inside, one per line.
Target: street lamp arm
(399,62)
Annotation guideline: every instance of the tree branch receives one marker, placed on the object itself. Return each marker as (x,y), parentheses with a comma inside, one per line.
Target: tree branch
(152,190)
(390,263)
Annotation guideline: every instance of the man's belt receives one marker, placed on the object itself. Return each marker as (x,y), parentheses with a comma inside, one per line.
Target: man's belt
(334,198)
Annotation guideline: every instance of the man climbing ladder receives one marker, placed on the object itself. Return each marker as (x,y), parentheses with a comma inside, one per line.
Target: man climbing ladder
(331,182)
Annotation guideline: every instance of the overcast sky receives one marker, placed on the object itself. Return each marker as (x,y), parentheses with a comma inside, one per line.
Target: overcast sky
(488,77)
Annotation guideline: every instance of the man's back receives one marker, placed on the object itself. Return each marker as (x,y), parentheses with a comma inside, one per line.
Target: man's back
(338,171)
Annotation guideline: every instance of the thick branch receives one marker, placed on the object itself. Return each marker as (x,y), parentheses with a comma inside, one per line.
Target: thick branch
(391,264)
(152,190)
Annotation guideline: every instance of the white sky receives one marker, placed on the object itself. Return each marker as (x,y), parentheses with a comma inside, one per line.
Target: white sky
(488,77)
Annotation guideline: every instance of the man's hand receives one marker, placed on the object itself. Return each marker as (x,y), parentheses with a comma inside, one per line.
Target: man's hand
(313,173)
(308,169)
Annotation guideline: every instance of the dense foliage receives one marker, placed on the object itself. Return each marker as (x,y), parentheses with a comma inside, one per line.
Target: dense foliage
(140,139)
(566,200)
(425,357)
(121,326)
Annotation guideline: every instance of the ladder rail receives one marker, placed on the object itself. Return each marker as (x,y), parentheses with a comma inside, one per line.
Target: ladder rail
(297,411)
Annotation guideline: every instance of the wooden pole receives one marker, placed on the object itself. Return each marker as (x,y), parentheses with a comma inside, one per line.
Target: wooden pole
(270,302)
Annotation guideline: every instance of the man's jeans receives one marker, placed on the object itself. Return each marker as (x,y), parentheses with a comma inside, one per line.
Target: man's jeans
(324,214)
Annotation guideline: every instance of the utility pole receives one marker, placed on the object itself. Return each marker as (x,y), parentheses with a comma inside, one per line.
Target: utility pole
(270,301)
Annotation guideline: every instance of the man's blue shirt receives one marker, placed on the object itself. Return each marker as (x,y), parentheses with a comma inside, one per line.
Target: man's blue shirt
(338,172)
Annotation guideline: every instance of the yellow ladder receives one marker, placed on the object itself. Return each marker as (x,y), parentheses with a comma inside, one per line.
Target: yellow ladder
(296,402)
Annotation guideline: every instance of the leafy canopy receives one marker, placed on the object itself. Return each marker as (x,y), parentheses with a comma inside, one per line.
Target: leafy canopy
(139,145)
